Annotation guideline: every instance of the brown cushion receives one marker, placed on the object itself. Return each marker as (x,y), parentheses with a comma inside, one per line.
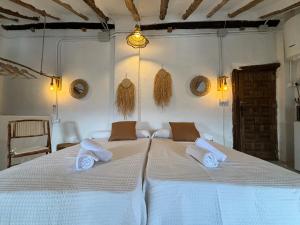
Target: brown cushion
(122,131)
(184,131)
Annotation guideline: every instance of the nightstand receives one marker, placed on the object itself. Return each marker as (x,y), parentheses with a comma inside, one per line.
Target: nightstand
(65,145)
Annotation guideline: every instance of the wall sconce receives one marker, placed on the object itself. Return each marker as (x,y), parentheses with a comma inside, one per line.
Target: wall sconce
(223,88)
(222,83)
(56,83)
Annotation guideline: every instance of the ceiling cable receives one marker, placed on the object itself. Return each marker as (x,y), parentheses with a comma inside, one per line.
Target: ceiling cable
(43,45)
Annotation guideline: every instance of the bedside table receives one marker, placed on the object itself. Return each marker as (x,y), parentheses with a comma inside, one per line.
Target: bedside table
(65,145)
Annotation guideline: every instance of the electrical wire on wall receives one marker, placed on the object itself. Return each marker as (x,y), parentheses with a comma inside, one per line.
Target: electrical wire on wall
(55,106)
(221,34)
(43,45)
(139,88)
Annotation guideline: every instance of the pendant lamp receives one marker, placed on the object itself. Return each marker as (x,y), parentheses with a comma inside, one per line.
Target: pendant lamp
(136,39)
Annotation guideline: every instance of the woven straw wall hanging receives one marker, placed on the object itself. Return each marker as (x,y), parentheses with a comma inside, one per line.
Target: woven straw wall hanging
(126,97)
(162,92)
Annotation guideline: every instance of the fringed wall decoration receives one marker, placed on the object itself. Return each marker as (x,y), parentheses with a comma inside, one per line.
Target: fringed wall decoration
(126,97)
(162,92)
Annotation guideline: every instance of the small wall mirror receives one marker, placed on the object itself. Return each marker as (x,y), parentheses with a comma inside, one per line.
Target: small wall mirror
(200,86)
(79,88)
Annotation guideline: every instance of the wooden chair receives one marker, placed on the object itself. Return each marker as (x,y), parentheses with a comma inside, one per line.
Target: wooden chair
(25,129)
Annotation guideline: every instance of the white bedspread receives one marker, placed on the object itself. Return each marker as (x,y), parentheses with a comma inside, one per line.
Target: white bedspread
(48,190)
(243,191)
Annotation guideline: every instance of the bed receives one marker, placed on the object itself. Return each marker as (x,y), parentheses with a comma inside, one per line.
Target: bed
(48,190)
(244,190)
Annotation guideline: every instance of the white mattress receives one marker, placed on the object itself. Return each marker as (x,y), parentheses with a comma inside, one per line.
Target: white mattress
(48,190)
(243,191)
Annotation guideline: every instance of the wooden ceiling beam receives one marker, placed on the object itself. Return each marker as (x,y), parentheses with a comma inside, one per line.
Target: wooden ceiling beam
(16,14)
(245,8)
(34,9)
(133,10)
(281,11)
(92,5)
(59,26)
(209,25)
(217,8)
(163,9)
(195,4)
(70,8)
(8,18)
(161,26)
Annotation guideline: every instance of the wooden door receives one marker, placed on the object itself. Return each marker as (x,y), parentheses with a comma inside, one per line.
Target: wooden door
(255,111)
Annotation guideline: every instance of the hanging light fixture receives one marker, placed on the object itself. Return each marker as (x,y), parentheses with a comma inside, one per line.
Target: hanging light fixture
(136,39)
(52,84)
(222,83)
(222,79)
(56,81)
(55,84)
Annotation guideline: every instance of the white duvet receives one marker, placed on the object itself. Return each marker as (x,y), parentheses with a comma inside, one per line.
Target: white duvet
(49,191)
(243,191)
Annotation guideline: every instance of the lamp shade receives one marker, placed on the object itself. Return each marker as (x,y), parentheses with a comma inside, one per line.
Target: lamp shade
(136,39)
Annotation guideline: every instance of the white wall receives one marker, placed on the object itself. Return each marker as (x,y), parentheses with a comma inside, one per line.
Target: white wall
(288,73)
(185,57)
(1,82)
(105,64)
(286,105)
(1,94)
(85,59)
(22,96)
(89,60)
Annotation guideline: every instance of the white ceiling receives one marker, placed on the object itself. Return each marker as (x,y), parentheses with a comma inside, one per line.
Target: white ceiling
(146,8)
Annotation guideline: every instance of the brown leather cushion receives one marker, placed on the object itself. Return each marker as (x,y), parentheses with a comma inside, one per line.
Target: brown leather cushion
(122,131)
(184,131)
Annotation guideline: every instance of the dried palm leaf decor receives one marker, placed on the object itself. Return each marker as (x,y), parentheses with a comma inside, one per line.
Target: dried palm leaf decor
(162,88)
(126,97)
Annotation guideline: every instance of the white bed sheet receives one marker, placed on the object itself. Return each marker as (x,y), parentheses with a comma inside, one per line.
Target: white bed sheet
(243,191)
(48,190)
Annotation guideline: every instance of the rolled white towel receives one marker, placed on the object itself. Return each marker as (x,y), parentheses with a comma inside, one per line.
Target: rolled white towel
(202,143)
(97,149)
(85,160)
(205,157)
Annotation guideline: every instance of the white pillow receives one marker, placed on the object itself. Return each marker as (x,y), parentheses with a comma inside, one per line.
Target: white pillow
(100,134)
(167,133)
(106,134)
(143,133)
(208,137)
(162,133)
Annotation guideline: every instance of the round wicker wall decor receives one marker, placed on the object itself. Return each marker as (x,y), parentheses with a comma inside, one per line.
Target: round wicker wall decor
(200,86)
(79,88)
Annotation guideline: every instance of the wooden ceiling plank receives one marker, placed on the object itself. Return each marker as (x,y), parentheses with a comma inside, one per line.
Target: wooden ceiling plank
(245,8)
(195,4)
(8,18)
(34,9)
(164,4)
(217,8)
(133,10)
(70,8)
(17,14)
(92,5)
(281,11)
